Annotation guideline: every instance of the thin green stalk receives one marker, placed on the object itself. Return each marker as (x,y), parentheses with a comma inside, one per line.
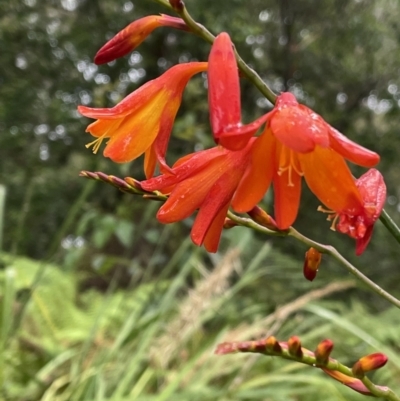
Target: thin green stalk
(326,249)
(391,226)
(3,193)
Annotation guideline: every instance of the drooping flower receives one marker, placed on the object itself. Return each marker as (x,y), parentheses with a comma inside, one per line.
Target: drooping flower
(210,181)
(142,122)
(297,142)
(224,97)
(359,226)
(133,35)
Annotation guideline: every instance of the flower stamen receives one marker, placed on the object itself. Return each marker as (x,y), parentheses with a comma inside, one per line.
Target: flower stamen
(96,143)
(289,163)
(332,216)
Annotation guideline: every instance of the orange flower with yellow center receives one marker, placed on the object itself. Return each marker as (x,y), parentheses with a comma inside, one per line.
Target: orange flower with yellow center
(298,143)
(142,122)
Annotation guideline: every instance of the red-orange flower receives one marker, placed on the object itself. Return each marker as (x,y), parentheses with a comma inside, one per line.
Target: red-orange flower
(297,142)
(210,180)
(142,122)
(360,226)
(133,35)
(224,97)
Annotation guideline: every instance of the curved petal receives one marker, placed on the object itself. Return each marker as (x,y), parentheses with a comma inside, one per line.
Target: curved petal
(186,197)
(213,236)
(187,166)
(133,35)
(362,243)
(329,178)
(223,84)
(286,198)
(352,151)
(150,162)
(171,83)
(137,132)
(299,128)
(219,195)
(258,175)
(236,138)
(103,128)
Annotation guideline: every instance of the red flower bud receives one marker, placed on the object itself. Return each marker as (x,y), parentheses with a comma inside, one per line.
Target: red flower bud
(261,217)
(312,261)
(322,352)
(294,346)
(368,363)
(272,345)
(133,35)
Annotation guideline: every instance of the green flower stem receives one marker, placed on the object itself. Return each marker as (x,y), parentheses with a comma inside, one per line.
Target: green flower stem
(326,249)
(379,391)
(391,226)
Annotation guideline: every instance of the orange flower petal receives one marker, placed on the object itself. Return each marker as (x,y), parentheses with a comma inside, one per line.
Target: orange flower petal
(133,35)
(137,132)
(351,150)
(329,178)
(286,198)
(210,159)
(299,128)
(223,83)
(217,198)
(213,236)
(258,175)
(185,198)
(237,138)
(150,162)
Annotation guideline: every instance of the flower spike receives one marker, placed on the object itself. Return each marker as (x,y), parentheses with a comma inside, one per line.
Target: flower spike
(133,35)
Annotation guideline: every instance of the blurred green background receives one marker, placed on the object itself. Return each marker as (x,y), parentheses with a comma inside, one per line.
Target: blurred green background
(98,301)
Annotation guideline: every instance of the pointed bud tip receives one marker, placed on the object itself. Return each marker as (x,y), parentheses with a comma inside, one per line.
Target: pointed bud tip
(372,361)
(262,218)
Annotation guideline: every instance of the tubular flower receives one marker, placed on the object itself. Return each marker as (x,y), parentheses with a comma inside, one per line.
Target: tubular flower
(359,226)
(209,180)
(133,35)
(224,97)
(142,122)
(297,142)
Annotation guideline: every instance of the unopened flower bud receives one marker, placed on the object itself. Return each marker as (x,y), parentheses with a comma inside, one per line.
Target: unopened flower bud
(294,346)
(261,217)
(133,183)
(312,261)
(322,352)
(272,345)
(368,363)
